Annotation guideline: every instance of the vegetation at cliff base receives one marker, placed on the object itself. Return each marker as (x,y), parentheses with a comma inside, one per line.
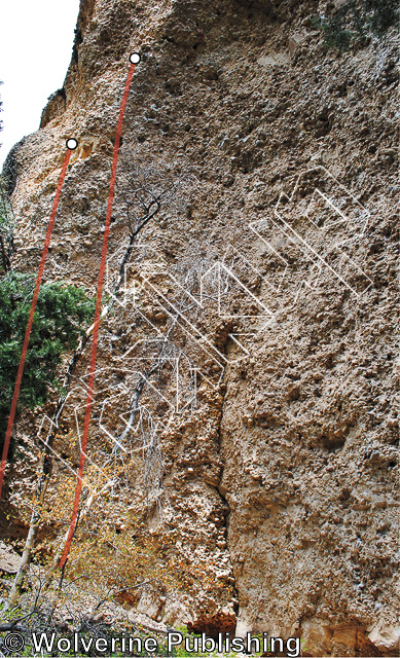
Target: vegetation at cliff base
(61,310)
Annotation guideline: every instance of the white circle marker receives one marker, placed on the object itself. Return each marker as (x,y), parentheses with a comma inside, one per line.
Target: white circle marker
(72,144)
(135,58)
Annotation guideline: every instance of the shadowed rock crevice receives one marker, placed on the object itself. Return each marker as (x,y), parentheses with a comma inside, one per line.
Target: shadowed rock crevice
(212,626)
(55,107)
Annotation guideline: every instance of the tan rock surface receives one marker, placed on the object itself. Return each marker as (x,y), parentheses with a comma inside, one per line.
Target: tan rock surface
(9,559)
(280,482)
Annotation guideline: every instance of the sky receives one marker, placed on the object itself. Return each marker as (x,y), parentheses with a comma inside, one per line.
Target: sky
(36,39)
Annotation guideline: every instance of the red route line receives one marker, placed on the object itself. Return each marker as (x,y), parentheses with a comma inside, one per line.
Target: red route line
(96,321)
(30,320)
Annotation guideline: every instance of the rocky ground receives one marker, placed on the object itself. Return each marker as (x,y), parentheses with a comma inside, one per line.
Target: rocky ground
(271,270)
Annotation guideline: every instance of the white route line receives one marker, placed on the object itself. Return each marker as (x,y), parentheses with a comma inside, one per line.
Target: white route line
(154,294)
(195,330)
(319,257)
(220,265)
(346,190)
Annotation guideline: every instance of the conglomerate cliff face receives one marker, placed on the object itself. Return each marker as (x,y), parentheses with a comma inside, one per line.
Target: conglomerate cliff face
(270,268)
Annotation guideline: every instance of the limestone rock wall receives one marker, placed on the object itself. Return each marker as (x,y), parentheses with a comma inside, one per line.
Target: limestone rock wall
(280,479)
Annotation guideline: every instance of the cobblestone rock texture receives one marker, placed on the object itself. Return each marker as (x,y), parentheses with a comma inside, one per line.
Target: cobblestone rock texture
(279,476)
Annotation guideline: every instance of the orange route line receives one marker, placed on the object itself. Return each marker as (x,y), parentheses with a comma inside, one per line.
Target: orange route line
(30,319)
(89,400)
